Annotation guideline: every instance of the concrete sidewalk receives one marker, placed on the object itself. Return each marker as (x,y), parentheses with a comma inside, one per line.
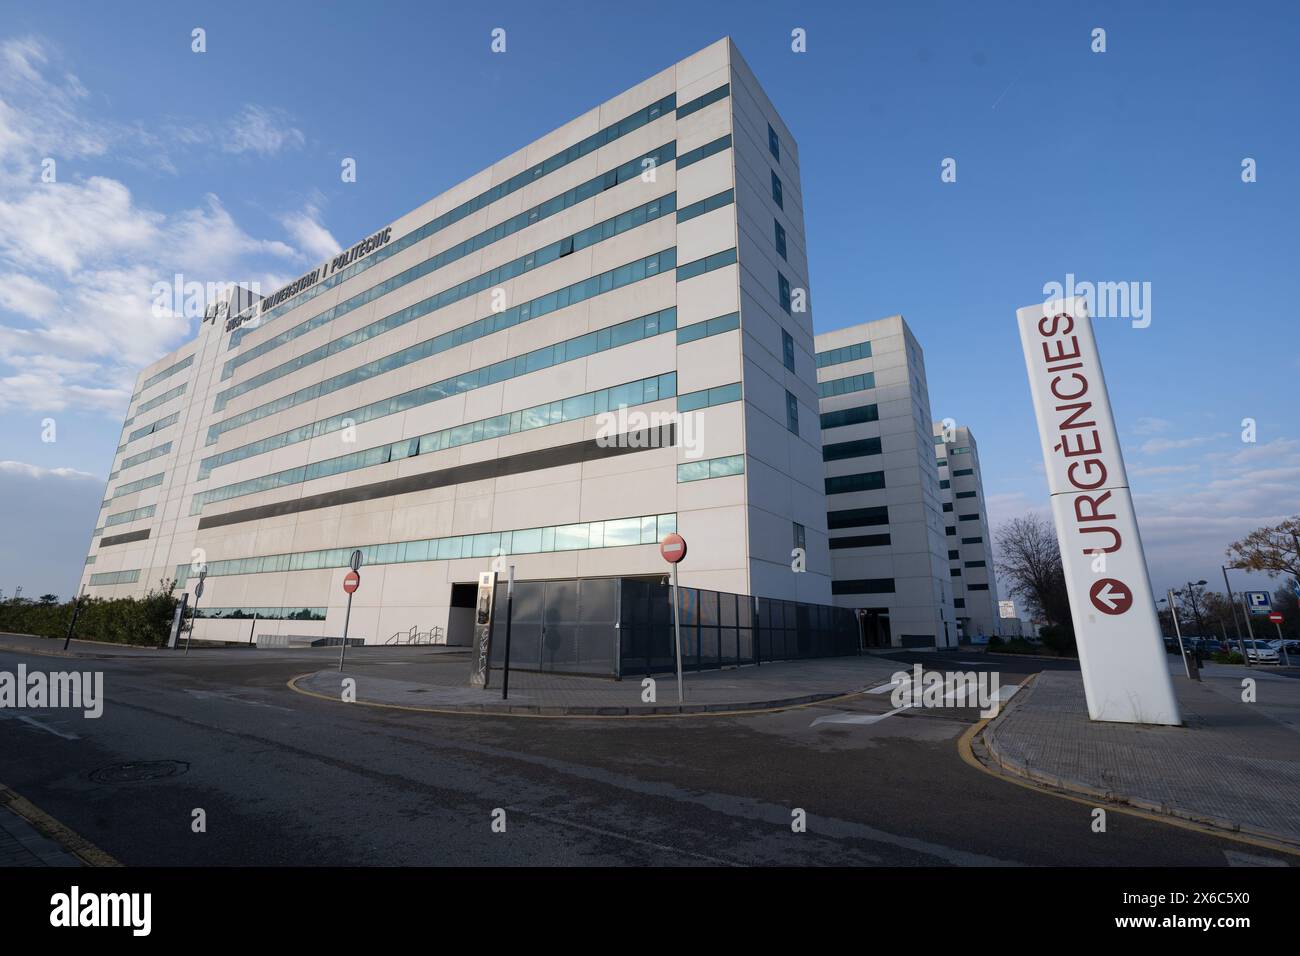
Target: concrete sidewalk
(442,685)
(21,844)
(1234,765)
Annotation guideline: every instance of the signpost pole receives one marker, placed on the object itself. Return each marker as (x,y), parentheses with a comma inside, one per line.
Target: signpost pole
(677,635)
(1250,629)
(1173,612)
(76,609)
(198,593)
(347,619)
(1232,602)
(252,630)
(510,604)
(1281,643)
(354,580)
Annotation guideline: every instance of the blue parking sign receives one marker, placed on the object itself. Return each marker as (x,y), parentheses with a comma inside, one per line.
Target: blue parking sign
(1259,602)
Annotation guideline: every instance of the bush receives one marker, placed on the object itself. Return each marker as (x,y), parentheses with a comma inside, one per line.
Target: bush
(995,641)
(145,621)
(1227,657)
(1059,640)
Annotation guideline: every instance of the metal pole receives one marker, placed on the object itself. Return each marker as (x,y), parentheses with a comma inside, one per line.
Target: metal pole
(346,618)
(252,630)
(1245,612)
(1173,612)
(76,609)
(1281,643)
(194,617)
(510,603)
(1232,602)
(677,636)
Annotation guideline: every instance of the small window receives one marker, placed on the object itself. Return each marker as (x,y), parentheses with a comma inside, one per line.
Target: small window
(783,291)
(780,239)
(776,191)
(800,536)
(791,412)
(773,143)
(787,349)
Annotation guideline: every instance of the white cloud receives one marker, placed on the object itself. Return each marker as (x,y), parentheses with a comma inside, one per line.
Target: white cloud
(80,258)
(310,234)
(36,471)
(260,130)
(1156,446)
(1151,426)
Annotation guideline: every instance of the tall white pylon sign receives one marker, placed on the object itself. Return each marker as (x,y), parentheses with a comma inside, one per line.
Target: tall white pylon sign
(1121,654)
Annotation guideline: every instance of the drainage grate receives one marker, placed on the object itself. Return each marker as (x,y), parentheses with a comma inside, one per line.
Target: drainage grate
(143,770)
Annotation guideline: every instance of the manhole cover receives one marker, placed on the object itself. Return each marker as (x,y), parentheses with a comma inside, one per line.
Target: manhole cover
(144,770)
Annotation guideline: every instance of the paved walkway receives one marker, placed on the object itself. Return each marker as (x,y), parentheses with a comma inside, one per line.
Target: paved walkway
(21,844)
(443,685)
(1233,765)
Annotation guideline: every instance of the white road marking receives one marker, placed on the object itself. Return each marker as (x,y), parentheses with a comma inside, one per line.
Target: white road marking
(847,718)
(208,694)
(33,722)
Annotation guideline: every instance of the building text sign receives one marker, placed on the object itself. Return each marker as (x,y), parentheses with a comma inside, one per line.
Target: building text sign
(1121,654)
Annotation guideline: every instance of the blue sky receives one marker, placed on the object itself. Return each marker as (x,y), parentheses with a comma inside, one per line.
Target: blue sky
(1115,166)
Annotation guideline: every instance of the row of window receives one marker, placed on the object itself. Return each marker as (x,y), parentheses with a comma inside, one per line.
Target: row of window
(529,176)
(166,396)
(122,517)
(156,452)
(693,156)
(711,468)
(115,577)
(410,399)
(838,451)
(715,326)
(863,586)
(847,353)
(535,308)
(850,416)
(860,541)
(168,372)
(842,386)
(857,517)
(867,481)
(708,397)
(262,613)
(556,204)
(700,207)
(131,486)
(516,267)
(960,472)
(508,423)
(151,428)
(614,533)
(709,263)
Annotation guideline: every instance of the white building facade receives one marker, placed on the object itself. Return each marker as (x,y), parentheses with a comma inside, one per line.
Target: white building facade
(886,524)
(970,545)
(600,339)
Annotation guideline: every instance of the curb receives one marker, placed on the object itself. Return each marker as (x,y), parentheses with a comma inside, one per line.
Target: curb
(985,735)
(70,841)
(593,712)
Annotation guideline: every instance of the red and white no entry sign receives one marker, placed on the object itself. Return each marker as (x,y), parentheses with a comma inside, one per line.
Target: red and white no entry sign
(351,581)
(1275,617)
(673,548)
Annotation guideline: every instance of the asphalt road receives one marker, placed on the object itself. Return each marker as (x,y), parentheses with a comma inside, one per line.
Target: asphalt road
(288,779)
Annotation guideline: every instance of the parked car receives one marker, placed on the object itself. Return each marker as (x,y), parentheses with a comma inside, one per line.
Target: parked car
(1261,652)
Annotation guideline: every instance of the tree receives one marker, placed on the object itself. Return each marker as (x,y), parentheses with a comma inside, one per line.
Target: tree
(49,599)
(1273,550)
(1029,560)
